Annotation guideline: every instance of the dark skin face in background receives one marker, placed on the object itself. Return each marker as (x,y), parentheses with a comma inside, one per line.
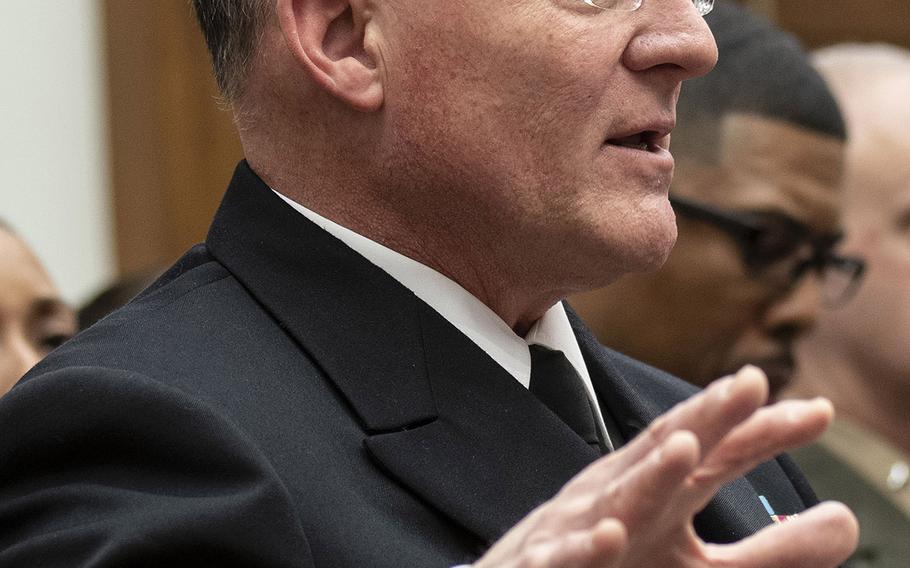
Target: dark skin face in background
(33,318)
(702,315)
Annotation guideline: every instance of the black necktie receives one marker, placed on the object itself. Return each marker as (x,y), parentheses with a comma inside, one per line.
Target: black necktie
(557,385)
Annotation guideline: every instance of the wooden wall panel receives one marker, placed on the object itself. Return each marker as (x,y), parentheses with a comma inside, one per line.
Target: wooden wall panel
(825,22)
(172,147)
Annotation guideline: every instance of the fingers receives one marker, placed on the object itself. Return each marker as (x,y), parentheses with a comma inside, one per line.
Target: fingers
(639,498)
(822,537)
(637,494)
(710,415)
(767,433)
(600,547)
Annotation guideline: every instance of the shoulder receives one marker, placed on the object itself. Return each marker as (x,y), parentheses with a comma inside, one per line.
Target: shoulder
(195,330)
(175,301)
(95,455)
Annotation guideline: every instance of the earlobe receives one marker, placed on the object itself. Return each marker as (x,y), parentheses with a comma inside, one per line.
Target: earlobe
(327,39)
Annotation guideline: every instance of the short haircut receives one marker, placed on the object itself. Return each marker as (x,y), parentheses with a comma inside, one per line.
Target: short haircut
(761,71)
(232,30)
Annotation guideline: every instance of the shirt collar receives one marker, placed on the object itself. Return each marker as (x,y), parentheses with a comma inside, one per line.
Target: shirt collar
(468,314)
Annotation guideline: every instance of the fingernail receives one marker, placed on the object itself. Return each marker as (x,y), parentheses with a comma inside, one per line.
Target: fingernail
(802,409)
(750,370)
(657,454)
(824,403)
(724,387)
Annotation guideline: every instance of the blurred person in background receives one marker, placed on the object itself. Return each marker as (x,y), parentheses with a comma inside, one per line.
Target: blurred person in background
(369,363)
(859,355)
(760,150)
(33,318)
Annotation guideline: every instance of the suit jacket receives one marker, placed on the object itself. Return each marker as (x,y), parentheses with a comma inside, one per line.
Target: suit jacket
(276,400)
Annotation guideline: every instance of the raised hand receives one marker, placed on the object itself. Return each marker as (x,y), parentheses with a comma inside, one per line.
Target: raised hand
(634,508)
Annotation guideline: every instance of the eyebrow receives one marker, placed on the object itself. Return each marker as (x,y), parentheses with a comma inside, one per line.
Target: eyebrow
(48,306)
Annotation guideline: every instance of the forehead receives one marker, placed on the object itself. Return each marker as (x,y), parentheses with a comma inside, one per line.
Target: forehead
(768,164)
(878,171)
(22,279)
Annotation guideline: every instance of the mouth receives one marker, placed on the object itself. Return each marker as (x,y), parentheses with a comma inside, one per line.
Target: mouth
(645,141)
(655,139)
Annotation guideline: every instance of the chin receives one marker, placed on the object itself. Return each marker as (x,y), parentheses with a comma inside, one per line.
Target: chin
(631,256)
(651,263)
(653,250)
(617,243)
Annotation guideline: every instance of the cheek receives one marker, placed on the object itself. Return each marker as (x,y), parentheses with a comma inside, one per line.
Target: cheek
(5,363)
(880,312)
(10,367)
(712,279)
(874,328)
(715,301)
(535,100)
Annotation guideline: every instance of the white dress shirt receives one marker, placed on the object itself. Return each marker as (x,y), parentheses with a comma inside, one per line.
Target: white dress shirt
(468,314)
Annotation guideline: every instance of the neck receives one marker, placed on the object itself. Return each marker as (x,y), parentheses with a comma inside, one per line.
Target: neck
(854,391)
(342,188)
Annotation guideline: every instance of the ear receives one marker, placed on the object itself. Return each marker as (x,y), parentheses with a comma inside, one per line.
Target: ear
(326,37)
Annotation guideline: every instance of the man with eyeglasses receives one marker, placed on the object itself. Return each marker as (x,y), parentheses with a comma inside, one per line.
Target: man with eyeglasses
(760,150)
(859,356)
(368,363)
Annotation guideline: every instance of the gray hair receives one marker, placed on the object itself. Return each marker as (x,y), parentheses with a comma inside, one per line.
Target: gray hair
(232,30)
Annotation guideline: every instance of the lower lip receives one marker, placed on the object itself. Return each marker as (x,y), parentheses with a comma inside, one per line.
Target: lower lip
(655,156)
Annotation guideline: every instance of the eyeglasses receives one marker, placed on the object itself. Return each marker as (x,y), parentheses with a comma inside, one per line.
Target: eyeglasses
(703,6)
(781,250)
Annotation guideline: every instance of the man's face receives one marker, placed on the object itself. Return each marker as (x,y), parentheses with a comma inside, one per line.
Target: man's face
(705,314)
(33,319)
(873,330)
(500,115)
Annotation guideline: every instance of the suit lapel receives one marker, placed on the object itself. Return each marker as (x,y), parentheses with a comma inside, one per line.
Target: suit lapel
(323,294)
(495,452)
(440,416)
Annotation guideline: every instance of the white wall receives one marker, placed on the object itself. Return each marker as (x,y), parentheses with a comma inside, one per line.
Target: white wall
(53,147)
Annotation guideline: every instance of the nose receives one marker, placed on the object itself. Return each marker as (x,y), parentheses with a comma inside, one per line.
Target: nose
(17,356)
(674,38)
(795,313)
